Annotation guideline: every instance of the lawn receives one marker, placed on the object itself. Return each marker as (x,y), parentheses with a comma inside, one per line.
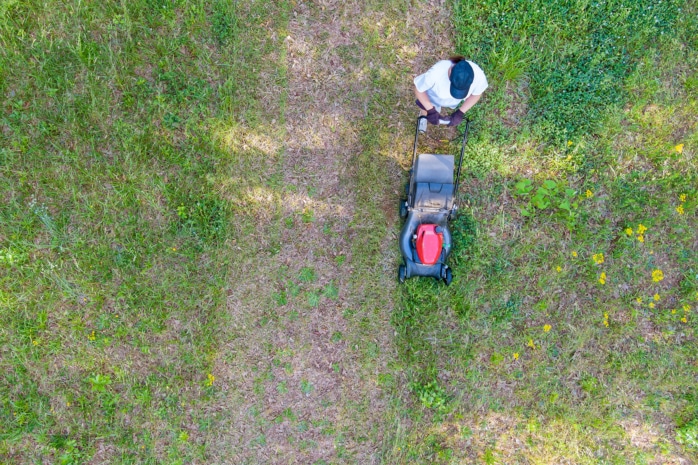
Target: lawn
(193,272)
(568,335)
(121,125)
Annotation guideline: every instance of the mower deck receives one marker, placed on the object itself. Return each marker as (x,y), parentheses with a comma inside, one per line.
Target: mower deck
(425,240)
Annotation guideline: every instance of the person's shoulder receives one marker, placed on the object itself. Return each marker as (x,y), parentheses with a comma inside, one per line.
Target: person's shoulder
(479,79)
(442,64)
(476,68)
(437,71)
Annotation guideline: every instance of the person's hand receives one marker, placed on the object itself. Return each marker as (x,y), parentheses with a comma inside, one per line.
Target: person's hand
(433,116)
(456,118)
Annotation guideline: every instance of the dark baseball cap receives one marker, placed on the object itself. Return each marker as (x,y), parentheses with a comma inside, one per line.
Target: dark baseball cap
(461,79)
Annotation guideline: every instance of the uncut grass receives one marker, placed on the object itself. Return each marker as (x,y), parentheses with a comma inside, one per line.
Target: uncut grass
(92,240)
(115,230)
(587,391)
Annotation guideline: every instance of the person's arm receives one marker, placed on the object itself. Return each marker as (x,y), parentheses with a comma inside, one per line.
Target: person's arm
(469,102)
(423,99)
(457,116)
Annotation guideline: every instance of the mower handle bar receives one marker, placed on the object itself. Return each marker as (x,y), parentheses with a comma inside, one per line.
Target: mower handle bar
(464,141)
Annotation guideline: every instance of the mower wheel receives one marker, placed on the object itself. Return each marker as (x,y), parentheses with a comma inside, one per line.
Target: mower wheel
(403,209)
(448,276)
(401,273)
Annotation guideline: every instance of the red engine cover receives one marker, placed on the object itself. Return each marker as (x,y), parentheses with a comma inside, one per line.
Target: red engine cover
(429,244)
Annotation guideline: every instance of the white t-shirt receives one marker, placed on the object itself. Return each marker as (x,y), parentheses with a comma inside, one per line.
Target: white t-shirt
(437,84)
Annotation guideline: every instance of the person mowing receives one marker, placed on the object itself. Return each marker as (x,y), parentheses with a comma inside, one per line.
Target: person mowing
(453,83)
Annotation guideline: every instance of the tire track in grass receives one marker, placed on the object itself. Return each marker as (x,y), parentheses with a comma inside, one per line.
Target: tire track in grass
(304,374)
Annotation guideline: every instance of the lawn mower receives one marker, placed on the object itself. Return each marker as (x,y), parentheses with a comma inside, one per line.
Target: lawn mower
(425,240)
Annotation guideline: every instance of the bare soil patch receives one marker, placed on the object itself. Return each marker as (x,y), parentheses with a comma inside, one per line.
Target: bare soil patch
(298,378)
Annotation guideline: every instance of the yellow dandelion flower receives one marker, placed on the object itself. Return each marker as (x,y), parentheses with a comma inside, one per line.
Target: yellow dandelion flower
(602,277)
(92,336)
(35,342)
(589,193)
(547,328)
(516,355)
(598,258)
(679,148)
(558,269)
(684,320)
(574,254)
(210,380)
(673,311)
(605,323)
(641,238)
(651,305)
(629,231)
(641,228)
(682,198)
(639,300)
(531,344)
(686,308)
(656,297)
(680,210)
(569,143)
(657,275)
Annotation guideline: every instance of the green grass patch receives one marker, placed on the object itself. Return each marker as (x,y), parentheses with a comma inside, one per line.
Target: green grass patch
(139,155)
(118,208)
(574,282)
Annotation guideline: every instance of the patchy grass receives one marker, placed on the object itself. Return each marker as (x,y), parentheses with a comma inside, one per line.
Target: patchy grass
(192,260)
(121,219)
(198,222)
(559,340)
